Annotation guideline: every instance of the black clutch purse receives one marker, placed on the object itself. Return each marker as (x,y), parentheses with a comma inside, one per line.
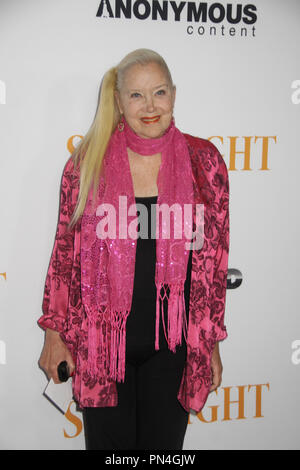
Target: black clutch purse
(63,371)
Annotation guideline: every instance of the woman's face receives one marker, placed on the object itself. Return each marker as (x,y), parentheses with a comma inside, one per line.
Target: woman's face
(147,100)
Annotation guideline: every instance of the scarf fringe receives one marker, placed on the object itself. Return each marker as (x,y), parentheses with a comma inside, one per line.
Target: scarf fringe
(177,321)
(107,358)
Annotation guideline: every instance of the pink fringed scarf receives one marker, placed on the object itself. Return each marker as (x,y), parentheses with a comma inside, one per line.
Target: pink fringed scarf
(108,264)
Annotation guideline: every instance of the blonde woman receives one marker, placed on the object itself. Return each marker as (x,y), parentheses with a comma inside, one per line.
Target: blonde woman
(135,309)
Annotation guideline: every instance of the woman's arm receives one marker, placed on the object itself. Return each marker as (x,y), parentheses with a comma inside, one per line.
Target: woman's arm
(221,221)
(219,285)
(58,280)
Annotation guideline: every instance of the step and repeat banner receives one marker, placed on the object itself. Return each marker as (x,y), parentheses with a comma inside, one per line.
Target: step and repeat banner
(236,68)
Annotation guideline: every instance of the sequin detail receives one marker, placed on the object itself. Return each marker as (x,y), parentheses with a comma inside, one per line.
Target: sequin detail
(108,264)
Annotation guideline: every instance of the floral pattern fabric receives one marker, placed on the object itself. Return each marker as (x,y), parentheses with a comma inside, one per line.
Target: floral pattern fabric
(62,306)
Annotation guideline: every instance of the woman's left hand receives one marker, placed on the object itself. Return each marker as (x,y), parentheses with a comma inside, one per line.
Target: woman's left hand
(216,368)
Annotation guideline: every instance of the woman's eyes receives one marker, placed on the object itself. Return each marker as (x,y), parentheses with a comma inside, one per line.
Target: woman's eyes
(138,95)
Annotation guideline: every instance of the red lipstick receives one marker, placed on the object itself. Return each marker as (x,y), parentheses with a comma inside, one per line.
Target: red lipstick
(150,120)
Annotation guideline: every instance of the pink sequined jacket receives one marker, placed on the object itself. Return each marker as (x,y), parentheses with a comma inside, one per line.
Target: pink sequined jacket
(62,306)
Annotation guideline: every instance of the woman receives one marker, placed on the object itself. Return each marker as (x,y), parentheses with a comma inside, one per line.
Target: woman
(115,306)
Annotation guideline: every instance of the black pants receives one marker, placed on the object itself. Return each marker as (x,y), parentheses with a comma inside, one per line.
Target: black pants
(148,414)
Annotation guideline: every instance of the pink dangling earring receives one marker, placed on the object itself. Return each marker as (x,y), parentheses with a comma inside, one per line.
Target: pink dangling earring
(121,124)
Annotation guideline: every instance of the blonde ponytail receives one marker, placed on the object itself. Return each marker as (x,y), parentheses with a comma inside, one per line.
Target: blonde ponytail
(90,152)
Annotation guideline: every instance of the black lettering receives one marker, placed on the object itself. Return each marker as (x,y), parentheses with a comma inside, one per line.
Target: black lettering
(238,14)
(190,29)
(211,12)
(248,12)
(126,9)
(195,14)
(105,5)
(161,10)
(177,9)
(137,14)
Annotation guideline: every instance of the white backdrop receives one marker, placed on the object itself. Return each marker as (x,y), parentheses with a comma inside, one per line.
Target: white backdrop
(244,90)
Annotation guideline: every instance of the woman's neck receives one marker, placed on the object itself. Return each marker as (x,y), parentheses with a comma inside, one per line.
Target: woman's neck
(144,171)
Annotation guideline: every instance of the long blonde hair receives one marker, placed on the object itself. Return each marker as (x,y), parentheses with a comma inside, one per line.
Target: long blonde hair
(90,151)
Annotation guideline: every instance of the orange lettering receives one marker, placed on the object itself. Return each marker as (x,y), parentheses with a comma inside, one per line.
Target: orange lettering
(258,398)
(234,152)
(265,148)
(214,413)
(74,420)
(240,401)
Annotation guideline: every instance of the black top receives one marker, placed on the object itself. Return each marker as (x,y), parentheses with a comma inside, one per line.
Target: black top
(140,327)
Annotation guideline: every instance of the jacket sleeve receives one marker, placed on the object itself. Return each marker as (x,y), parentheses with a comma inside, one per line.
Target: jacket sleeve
(58,279)
(220,222)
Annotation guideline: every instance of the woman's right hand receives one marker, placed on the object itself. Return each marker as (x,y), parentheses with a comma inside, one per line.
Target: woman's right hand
(54,352)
